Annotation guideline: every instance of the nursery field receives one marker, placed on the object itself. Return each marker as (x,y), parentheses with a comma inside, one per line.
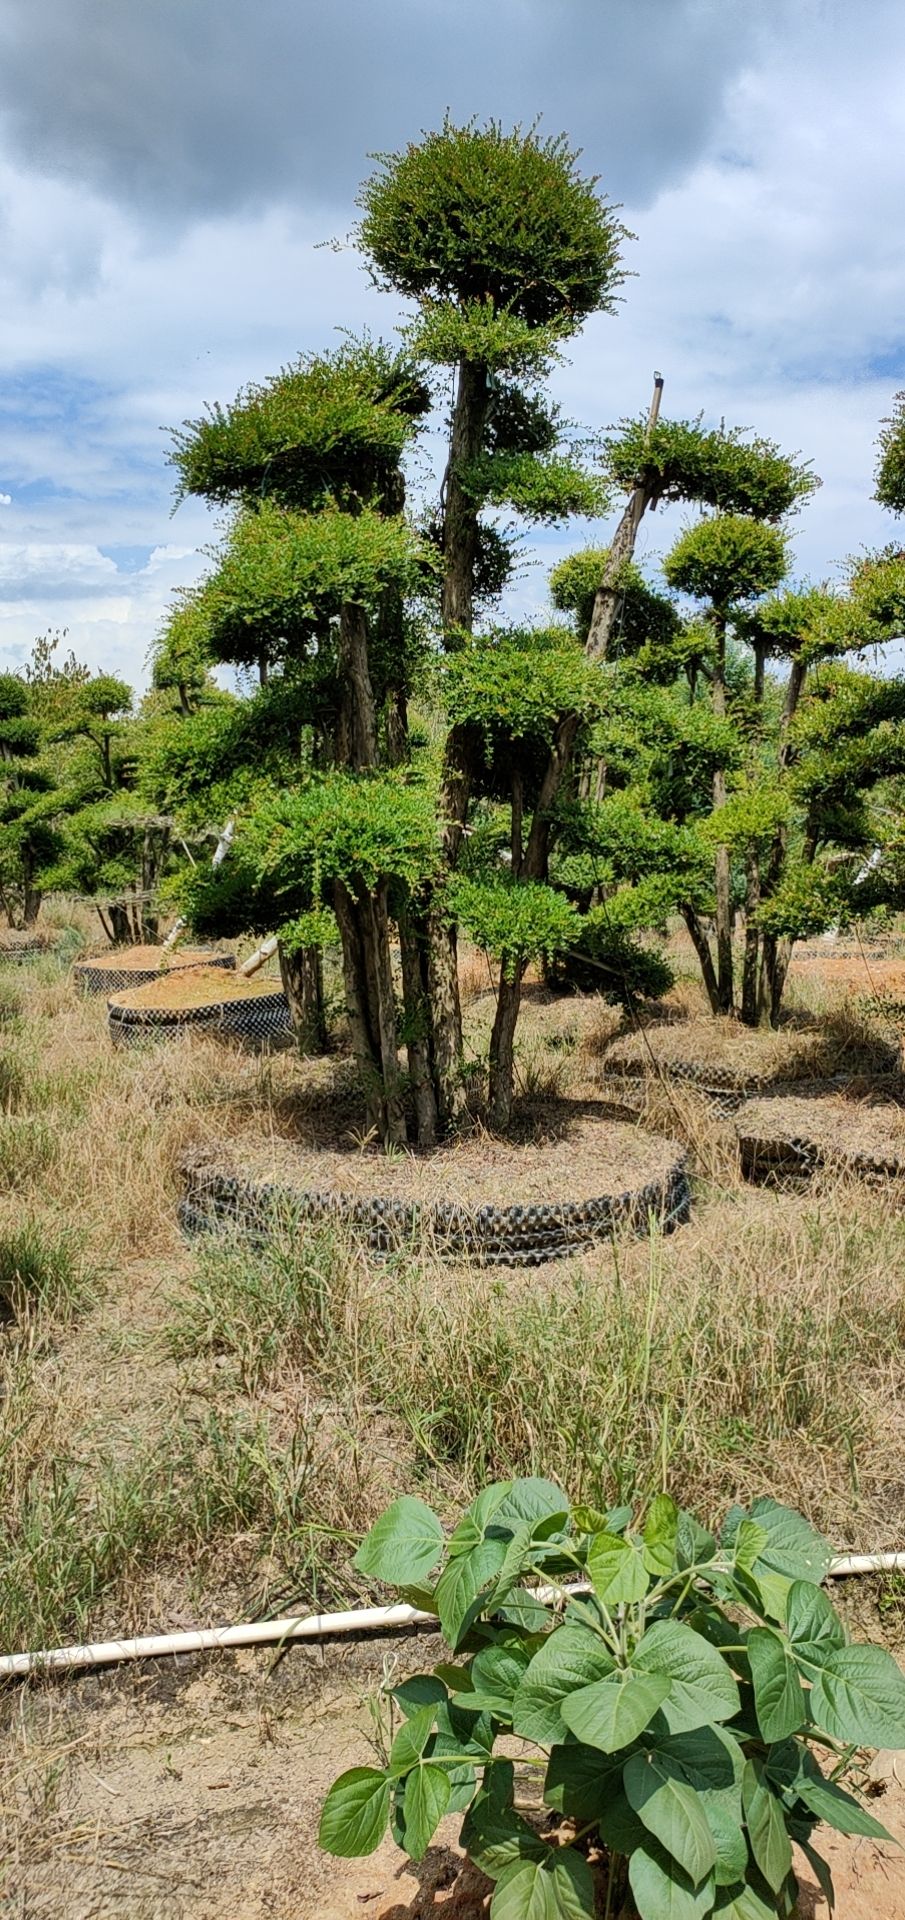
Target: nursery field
(198,1431)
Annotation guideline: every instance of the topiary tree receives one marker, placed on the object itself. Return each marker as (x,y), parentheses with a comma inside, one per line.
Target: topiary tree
(654,460)
(726,562)
(506,249)
(28,840)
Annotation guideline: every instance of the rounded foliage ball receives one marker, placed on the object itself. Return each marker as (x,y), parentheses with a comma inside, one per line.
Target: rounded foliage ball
(479,214)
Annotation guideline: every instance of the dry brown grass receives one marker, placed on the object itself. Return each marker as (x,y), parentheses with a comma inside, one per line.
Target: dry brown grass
(201,1426)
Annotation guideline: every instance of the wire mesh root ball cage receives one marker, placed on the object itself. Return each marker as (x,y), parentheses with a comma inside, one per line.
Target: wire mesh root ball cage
(200,998)
(109,973)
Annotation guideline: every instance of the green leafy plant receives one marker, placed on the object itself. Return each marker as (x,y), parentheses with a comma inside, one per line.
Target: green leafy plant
(670,1685)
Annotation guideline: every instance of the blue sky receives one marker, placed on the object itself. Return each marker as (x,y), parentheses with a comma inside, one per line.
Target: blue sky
(168,174)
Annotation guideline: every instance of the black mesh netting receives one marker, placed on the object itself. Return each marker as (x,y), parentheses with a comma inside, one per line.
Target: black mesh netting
(258,1020)
(89,977)
(14,951)
(525,1236)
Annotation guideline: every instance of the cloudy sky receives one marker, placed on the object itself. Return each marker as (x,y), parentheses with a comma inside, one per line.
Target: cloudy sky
(169,170)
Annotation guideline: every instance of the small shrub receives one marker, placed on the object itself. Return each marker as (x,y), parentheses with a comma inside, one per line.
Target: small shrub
(606,960)
(41,1266)
(675,1685)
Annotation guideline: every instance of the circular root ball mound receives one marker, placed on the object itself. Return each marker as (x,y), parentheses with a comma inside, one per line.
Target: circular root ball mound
(791,1138)
(199,997)
(135,966)
(729,1062)
(586,1178)
(16,946)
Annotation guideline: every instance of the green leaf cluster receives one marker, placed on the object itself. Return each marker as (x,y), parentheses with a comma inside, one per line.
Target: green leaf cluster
(520,681)
(726,559)
(281,575)
(547,489)
(330,426)
(514,921)
(475,216)
(644,619)
(674,1682)
(724,470)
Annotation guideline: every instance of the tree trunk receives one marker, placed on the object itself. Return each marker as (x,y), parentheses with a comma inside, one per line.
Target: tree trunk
(413,952)
(751,967)
(502,1044)
(356,732)
(367,1018)
(705,958)
(460,518)
(123,934)
(462,750)
(721,863)
(606,599)
(302,974)
(770,986)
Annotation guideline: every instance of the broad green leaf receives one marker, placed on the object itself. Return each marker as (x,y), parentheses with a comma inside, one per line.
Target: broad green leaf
(427,1796)
(421,1690)
(517,1557)
(412,1739)
(355,1813)
(619,1828)
(793,1548)
(711,1762)
(579,1779)
(728,1838)
(496,1673)
(750,1542)
(616,1570)
(521,1609)
(474,1522)
(462,1732)
(489,1502)
(661,1532)
(671,1811)
(709,1757)
(701,1687)
(404,1545)
(457,1679)
(571,1657)
(662,1891)
(461,1586)
(498,1781)
(462,1783)
(778,1693)
(859,1695)
(497,1837)
(557,1888)
(533,1500)
(591,1520)
(742,1903)
(694,1545)
(813,1626)
(831,1804)
(770,1843)
(612,1712)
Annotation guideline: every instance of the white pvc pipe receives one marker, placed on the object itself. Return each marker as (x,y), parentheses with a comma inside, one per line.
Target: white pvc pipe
(316,1626)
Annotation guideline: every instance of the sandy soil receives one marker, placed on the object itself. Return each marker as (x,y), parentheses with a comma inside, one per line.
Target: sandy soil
(571,1150)
(191,1791)
(197,986)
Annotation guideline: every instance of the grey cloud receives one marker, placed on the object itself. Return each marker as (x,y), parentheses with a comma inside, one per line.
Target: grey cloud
(183,108)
